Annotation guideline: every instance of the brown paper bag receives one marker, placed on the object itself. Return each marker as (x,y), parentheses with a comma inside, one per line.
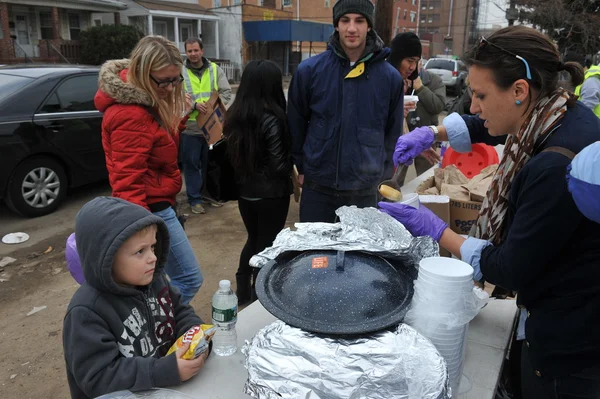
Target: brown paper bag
(453,175)
(455,192)
(211,123)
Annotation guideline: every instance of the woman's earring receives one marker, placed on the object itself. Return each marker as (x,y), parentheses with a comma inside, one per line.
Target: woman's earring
(518,102)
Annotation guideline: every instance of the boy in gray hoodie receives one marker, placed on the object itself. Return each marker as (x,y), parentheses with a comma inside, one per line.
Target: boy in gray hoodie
(122,321)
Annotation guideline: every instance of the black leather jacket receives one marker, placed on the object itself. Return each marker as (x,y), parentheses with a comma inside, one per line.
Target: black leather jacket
(272,180)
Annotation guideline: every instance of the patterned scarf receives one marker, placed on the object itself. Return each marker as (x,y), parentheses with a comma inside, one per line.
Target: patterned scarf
(517,152)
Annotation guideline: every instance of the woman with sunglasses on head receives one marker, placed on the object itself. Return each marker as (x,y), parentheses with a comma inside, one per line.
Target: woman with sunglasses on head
(530,236)
(144,108)
(259,146)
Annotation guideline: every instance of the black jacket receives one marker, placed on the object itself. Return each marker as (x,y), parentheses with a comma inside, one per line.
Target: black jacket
(272,180)
(551,252)
(115,337)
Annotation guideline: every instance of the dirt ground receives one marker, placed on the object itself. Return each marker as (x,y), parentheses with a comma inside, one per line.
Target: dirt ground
(32,364)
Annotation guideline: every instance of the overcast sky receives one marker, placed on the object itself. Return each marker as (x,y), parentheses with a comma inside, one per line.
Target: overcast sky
(491,14)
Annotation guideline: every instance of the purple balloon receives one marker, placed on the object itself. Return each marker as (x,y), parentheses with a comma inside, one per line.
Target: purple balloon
(73,262)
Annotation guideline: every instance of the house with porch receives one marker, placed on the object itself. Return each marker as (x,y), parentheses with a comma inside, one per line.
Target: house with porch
(175,20)
(47,30)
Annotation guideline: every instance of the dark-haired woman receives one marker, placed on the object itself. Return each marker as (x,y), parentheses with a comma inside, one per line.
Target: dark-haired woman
(530,236)
(259,147)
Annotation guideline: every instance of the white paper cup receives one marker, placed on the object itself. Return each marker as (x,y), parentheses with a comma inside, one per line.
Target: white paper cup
(411,99)
(447,268)
(411,199)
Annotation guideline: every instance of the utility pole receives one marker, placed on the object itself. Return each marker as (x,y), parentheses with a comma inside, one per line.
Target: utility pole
(383,19)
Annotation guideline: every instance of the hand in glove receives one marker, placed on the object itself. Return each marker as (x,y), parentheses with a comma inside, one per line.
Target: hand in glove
(419,222)
(412,144)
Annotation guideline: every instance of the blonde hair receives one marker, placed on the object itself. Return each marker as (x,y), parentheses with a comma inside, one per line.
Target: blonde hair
(151,54)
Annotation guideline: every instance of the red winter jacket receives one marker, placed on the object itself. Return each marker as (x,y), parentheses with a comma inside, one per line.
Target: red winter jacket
(141,156)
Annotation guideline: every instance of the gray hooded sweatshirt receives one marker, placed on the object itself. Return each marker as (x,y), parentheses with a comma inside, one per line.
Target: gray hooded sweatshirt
(115,337)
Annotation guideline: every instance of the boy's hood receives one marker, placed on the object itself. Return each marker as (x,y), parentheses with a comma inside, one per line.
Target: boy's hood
(101,228)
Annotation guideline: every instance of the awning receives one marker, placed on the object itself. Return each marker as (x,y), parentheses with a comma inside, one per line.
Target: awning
(286,31)
(173,7)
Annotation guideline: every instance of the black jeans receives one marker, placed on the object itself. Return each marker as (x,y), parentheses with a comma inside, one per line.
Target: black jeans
(581,385)
(317,206)
(263,219)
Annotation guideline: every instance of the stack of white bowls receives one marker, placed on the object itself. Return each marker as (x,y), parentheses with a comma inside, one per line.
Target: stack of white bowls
(444,283)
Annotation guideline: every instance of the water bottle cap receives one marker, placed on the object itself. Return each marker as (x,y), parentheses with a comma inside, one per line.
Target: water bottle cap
(224,285)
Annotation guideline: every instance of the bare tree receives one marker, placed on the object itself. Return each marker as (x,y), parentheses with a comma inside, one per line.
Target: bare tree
(573,24)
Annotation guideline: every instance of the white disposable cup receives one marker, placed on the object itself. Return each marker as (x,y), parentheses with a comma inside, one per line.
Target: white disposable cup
(411,99)
(411,199)
(446,268)
(443,281)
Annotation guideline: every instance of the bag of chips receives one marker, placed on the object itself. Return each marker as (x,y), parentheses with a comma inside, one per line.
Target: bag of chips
(198,337)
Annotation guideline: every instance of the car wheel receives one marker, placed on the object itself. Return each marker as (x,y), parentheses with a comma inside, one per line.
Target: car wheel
(37,187)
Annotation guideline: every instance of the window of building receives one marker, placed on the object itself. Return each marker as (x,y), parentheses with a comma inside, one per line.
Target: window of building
(216,3)
(413,16)
(74,26)
(287,3)
(159,28)
(327,3)
(46,25)
(414,2)
(405,13)
(97,22)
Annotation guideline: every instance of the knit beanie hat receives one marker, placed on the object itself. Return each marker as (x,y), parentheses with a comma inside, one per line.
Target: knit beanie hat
(404,45)
(362,7)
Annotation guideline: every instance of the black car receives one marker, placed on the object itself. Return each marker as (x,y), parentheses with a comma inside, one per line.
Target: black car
(50,135)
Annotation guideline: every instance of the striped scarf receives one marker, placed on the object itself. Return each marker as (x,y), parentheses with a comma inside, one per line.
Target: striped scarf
(517,152)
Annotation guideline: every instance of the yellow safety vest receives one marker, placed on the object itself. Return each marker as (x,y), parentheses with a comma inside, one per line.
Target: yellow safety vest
(593,71)
(200,89)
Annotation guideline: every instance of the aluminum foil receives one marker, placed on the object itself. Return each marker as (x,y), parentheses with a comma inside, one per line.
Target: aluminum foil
(359,229)
(286,362)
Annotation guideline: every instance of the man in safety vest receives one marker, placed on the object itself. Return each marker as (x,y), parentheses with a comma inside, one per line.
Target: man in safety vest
(589,90)
(201,78)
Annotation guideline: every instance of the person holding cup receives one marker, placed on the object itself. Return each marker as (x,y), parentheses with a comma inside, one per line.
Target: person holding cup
(424,93)
(530,236)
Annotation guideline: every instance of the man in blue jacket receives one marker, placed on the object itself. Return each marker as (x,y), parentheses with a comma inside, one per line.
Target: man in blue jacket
(345,113)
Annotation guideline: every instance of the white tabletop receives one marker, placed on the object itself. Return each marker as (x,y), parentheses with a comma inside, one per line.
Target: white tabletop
(487,343)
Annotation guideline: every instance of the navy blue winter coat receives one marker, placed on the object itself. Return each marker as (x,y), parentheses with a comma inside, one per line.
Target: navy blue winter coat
(344,129)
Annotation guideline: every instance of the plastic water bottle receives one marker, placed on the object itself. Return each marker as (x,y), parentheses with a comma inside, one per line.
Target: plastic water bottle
(224,317)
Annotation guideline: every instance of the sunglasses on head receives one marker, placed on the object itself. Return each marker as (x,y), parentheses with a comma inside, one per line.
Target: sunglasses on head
(483,42)
(163,84)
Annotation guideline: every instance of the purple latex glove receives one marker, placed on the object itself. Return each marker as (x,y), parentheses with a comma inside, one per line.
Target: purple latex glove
(73,262)
(412,144)
(419,222)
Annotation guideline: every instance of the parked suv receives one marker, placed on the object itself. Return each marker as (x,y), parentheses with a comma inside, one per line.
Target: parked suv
(453,72)
(50,135)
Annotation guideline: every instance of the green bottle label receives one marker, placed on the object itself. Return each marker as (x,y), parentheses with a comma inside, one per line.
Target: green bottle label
(224,315)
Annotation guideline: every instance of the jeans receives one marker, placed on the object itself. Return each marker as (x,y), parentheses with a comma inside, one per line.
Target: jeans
(194,158)
(264,219)
(182,266)
(581,385)
(317,206)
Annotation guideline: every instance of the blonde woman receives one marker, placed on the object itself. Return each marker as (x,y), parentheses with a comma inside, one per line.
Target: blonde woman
(143,102)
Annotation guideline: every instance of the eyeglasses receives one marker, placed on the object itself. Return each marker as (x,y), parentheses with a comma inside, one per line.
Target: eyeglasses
(163,84)
(483,41)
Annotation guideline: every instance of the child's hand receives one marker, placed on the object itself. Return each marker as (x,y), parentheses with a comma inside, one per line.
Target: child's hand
(189,368)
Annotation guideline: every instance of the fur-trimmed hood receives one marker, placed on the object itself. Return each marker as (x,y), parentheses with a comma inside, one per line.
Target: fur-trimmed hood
(114,89)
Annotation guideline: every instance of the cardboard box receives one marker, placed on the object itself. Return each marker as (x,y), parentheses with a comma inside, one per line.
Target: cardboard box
(440,205)
(463,214)
(211,123)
